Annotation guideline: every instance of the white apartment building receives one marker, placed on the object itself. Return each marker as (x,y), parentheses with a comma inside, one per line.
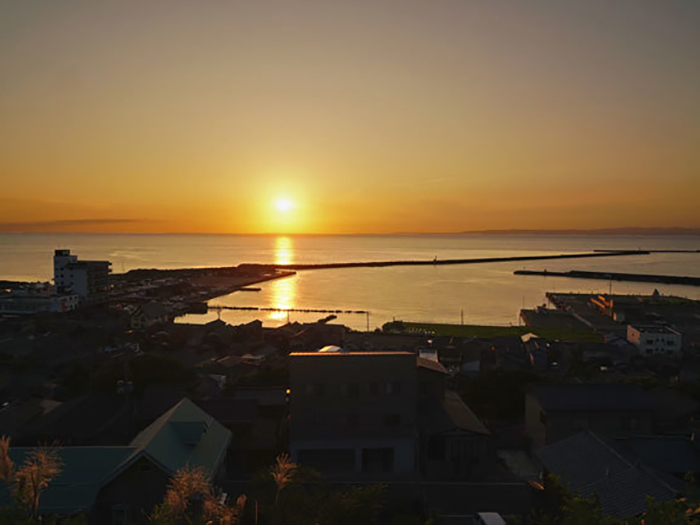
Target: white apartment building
(655,340)
(87,279)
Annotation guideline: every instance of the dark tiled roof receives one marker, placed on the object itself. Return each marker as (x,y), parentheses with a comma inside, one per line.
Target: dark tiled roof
(671,454)
(78,421)
(592,397)
(587,465)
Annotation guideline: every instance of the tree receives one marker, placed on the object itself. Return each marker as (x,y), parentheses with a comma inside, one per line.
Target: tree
(191,498)
(292,494)
(282,473)
(28,482)
(560,507)
(667,513)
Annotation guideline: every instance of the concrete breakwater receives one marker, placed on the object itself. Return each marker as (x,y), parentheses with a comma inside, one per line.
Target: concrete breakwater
(293,310)
(440,262)
(613,276)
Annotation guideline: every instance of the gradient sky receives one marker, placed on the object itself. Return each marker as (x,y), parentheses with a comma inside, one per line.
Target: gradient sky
(370,115)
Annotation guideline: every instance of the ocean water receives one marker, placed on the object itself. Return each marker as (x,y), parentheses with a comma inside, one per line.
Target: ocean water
(483,293)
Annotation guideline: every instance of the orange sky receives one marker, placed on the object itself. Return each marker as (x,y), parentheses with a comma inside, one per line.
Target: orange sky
(371,116)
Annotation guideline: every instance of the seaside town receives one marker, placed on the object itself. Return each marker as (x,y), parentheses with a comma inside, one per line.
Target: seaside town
(585,413)
(331,262)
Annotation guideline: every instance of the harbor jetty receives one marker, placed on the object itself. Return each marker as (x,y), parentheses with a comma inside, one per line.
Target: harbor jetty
(658,251)
(441,262)
(614,276)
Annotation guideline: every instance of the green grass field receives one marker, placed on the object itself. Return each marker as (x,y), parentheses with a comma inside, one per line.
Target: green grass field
(458,330)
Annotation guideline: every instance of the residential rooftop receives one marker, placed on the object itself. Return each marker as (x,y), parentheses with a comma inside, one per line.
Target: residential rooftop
(653,329)
(589,466)
(581,397)
(348,353)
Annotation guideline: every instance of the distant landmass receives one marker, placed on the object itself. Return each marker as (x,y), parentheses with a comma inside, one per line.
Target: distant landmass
(604,231)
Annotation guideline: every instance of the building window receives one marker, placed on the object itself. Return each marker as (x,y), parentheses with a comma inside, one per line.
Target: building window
(393,388)
(631,423)
(319,418)
(313,389)
(377,459)
(120,514)
(392,420)
(580,423)
(349,389)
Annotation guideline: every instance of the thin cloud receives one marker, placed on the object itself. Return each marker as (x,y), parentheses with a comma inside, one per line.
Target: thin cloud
(24,227)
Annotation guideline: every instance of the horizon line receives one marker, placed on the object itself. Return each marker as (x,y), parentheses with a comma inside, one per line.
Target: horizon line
(632,230)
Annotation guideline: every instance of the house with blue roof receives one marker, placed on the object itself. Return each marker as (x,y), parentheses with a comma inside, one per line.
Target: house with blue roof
(115,485)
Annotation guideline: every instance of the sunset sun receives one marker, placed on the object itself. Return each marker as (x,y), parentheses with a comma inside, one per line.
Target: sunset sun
(284,205)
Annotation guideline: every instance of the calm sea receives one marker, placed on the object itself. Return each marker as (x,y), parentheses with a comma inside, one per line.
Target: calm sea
(486,294)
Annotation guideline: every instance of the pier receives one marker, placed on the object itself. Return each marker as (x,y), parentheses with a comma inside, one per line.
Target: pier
(613,276)
(292,310)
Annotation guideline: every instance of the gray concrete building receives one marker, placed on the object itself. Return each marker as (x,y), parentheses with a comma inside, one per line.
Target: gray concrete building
(354,411)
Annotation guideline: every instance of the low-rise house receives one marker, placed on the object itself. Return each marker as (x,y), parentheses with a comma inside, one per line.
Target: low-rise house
(116,485)
(590,466)
(555,412)
(269,397)
(37,298)
(653,340)
(16,416)
(466,355)
(673,412)
(455,444)
(674,455)
(609,354)
(508,353)
(91,419)
(256,432)
(148,315)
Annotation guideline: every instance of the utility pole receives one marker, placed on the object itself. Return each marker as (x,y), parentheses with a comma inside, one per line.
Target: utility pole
(462,312)
(367,314)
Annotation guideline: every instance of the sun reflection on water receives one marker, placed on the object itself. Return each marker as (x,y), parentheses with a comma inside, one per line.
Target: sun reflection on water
(283,291)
